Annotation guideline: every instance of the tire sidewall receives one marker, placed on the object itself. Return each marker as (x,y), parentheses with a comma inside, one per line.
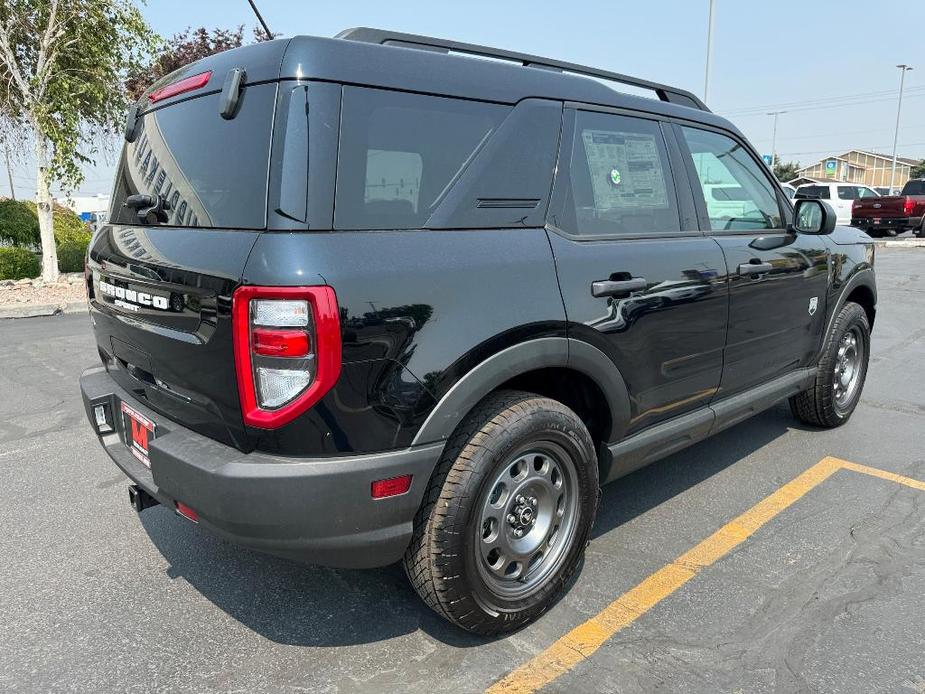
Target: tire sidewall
(540,425)
(851,315)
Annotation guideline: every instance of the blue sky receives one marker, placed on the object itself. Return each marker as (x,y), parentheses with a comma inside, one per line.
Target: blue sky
(784,55)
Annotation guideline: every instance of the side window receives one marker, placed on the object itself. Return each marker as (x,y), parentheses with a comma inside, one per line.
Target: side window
(737,193)
(400,154)
(848,192)
(619,180)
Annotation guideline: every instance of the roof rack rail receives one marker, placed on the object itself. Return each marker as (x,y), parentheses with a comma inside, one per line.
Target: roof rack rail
(394,38)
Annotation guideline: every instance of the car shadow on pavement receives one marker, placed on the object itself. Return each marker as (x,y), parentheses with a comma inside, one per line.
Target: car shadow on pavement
(644,489)
(301,605)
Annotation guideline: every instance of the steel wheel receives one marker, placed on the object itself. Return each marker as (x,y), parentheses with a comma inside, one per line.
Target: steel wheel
(527,518)
(847,371)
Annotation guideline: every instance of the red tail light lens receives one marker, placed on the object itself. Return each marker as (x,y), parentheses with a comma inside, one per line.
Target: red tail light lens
(187,84)
(908,206)
(287,350)
(280,343)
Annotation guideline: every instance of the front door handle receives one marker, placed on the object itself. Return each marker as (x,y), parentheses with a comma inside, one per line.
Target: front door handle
(755,268)
(618,287)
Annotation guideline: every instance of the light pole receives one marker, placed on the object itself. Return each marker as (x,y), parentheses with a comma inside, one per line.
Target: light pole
(774,137)
(706,76)
(899,107)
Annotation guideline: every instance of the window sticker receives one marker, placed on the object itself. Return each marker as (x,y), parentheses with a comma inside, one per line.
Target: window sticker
(626,170)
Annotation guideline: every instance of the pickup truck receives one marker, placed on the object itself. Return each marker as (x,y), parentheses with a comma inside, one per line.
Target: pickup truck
(892,214)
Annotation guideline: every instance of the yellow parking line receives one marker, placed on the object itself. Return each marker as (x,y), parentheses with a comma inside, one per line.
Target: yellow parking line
(883,474)
(585,639)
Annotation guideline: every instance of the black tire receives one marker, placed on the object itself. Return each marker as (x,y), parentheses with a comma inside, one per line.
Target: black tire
(819,405)
(442,561)
(920,232)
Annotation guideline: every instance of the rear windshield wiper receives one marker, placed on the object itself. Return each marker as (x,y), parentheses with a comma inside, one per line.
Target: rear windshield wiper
(148,206)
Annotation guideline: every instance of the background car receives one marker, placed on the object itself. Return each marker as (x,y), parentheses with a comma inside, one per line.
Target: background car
(839,195)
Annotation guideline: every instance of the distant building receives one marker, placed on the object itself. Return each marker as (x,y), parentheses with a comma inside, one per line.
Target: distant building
(858,166)
(93,209)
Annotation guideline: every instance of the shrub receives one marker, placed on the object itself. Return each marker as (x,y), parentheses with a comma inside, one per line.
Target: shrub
(16,263)
(19,224)
(71,254)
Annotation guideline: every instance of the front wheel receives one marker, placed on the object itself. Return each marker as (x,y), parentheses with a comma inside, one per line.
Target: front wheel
(840,374)
(507,514)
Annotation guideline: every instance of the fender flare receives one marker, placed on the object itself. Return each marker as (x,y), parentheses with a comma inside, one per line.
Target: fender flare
(861,278)
(544,352)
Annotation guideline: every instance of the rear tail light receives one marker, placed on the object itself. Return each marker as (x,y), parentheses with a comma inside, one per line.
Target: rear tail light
(287,350)
(187,84)
(908,206)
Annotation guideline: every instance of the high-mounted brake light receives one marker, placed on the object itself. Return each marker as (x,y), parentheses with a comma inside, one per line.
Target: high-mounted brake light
(287,350)
(187,84)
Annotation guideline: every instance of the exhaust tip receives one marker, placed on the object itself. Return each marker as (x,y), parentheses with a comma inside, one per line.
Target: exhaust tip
(139,499)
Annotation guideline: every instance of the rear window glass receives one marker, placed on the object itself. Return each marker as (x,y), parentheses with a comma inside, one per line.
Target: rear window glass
(914,188)
(817,192)
(211,171)
(400,154)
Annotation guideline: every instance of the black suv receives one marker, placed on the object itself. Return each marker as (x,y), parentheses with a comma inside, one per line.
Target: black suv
(377,298)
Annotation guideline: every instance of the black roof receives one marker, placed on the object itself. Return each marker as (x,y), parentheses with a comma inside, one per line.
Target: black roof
(422,64)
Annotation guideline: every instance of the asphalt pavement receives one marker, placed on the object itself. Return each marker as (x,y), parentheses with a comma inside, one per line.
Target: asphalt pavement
(826,596)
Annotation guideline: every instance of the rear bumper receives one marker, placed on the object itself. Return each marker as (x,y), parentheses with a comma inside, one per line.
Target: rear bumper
(886,222)
(310,509)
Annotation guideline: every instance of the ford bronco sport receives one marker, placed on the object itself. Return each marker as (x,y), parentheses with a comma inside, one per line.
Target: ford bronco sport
(372,299)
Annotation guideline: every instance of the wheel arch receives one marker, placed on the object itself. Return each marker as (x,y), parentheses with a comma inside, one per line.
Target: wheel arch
(861,288)
(540,365)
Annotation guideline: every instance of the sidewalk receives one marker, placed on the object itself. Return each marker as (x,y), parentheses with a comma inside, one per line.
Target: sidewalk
(28,298)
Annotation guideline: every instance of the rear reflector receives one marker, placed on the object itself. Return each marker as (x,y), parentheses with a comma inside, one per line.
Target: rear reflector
(187,512)
(187,84)
(390,487)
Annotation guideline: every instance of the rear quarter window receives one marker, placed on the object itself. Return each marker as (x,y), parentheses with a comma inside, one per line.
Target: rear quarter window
(816,192)
(212,171)
(400,154)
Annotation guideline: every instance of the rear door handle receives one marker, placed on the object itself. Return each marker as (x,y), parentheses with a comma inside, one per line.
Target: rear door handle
(755,268)
(618,287)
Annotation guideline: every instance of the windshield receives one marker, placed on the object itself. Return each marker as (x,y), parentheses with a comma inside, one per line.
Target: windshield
(210,171)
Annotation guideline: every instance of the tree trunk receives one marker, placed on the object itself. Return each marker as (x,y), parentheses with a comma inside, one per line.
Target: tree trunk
(44,207)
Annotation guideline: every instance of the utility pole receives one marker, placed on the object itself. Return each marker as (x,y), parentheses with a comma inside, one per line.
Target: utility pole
(706,77)
(774,138)
(899,108)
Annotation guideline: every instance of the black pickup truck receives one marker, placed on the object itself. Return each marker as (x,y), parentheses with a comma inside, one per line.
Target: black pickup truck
(372,299)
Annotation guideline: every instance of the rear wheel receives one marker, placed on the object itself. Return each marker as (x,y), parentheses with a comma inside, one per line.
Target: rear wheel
(507,514)
(840,374)
(920,232)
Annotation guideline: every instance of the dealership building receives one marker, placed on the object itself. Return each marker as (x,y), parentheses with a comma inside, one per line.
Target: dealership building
(858,166)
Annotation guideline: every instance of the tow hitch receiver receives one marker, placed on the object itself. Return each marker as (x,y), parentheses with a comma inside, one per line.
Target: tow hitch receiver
(140,499)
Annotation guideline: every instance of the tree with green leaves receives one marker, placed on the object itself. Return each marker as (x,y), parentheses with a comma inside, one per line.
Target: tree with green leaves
(918,171)
(785,172)
(184,48)
(63,66)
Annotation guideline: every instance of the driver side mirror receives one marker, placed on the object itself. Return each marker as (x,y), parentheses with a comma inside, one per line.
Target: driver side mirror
(813,217)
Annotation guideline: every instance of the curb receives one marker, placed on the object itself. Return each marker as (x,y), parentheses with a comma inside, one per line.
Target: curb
(39,310)
(901,243)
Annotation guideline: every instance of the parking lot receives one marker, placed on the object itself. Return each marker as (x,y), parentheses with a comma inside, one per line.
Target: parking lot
(771,558)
